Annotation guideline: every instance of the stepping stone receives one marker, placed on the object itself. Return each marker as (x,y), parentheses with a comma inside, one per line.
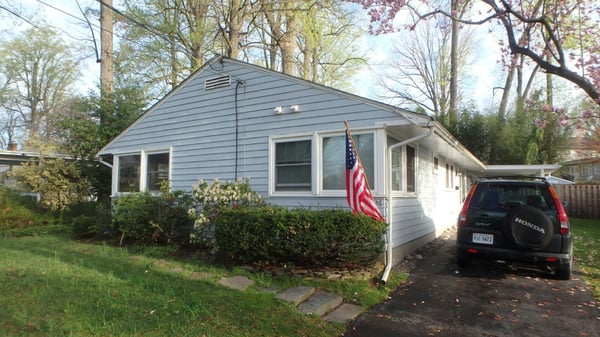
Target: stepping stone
(296,295)
(237,282)
(320,303)
(344,313)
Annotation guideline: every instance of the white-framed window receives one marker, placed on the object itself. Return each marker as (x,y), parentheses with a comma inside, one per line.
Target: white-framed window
(450,176)
(436,164)
(315,164)
(333,159)
(157,170)
(404,168)
(143,171)
(293,165)
(129,173)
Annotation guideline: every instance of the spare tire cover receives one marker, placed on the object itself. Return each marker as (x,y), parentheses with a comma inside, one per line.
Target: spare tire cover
(529,227)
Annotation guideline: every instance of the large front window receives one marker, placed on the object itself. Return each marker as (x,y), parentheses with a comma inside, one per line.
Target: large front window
(334,159)
(293,166)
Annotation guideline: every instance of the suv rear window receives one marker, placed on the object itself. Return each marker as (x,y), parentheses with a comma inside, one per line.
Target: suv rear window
(505,195)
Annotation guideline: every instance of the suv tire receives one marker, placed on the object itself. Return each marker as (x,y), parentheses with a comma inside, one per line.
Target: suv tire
(529,227)
(563,272)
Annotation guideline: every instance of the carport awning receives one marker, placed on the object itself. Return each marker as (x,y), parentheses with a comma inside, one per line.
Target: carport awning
(523,170)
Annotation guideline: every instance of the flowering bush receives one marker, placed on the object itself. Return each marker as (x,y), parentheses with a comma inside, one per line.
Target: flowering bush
(211,198)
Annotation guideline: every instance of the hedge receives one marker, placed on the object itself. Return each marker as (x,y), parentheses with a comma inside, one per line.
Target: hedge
(301,237)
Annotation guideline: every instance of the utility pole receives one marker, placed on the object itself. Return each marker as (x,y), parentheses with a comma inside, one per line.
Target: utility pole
(106,46)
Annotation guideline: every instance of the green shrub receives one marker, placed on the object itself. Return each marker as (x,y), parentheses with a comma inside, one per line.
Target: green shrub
(146,218)
(17,211)
(268,235)
(90,219)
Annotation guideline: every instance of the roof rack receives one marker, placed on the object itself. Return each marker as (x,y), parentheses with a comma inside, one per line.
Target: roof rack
(515,177)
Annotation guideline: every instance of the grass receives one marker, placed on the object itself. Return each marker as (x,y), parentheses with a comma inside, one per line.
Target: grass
(54,286)
(586,234)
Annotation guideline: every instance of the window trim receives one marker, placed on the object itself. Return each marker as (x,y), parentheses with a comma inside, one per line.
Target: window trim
(450,176)
(117,171)
(143,181)
(273,140)
(403,162)
(316,138)
(342,192)
(145,168)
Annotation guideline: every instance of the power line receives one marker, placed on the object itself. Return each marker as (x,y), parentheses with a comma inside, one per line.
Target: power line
(142,25)
(20,16)
(62,11)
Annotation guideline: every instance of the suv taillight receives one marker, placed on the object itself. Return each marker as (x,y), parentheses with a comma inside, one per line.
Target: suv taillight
(462,216)
(563,219)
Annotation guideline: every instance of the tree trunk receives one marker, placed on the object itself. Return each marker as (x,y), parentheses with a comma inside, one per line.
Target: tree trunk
(235,27)
(288,44)
(452,112)
(106,43)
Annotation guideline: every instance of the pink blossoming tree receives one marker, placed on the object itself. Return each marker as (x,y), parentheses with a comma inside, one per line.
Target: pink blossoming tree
(560,37)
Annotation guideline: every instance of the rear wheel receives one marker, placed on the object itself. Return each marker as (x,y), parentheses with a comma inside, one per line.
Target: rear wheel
(563,272)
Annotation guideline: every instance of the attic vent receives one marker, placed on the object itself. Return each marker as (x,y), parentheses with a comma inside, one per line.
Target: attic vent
(217,82)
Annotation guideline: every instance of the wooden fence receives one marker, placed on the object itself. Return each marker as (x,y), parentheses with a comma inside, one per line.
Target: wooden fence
(582,201)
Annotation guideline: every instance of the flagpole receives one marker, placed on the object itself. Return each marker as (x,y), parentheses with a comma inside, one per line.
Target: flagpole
(356,153)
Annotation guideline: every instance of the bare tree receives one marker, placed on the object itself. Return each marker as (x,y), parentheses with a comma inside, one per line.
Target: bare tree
(420,74)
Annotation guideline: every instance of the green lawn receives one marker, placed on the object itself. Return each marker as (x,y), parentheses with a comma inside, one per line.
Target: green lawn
(53,286)
(587,250)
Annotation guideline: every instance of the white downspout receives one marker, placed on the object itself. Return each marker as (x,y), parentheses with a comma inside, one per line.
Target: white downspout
(389,251)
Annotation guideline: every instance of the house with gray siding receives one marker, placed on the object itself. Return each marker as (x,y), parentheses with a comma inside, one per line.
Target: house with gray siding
(232,120)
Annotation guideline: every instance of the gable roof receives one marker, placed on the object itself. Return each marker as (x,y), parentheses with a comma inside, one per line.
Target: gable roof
(410,123)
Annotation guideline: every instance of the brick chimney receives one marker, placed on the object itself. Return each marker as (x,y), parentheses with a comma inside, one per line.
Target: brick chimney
(12,146)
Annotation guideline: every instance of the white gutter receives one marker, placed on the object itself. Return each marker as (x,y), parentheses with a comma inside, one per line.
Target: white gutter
(389,251)
(105,163)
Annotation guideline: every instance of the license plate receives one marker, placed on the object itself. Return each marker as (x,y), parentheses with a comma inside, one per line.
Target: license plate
(486,239)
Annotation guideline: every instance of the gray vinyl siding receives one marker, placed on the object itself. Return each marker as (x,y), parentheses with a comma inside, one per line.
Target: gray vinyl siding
(199,126)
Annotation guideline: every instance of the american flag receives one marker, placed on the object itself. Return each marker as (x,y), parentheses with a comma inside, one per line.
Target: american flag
(358,193)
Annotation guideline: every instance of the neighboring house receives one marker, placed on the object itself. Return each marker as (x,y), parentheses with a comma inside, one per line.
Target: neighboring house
(12,158)
(586,170)
(233,120)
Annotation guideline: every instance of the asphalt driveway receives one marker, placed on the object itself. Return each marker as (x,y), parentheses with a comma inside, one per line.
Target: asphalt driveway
(488,299)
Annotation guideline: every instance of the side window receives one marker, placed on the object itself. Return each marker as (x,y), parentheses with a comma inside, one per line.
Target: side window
(157,170)
(293,166)
(334,159)
(411,171)
(397,179)
(404,168)
(129,173)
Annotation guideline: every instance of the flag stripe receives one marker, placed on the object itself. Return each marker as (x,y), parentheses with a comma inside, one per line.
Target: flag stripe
(358,194)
